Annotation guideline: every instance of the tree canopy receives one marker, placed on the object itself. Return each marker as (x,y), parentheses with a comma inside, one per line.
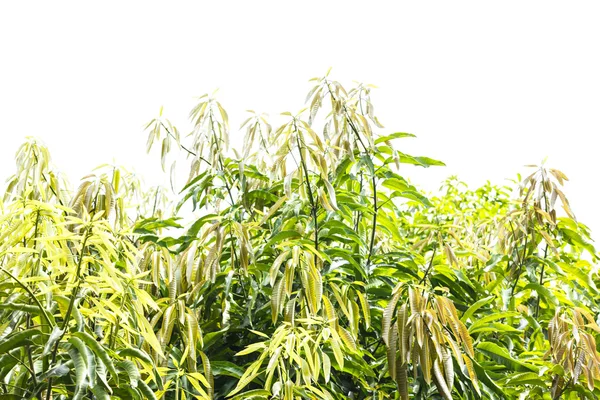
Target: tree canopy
(312,268)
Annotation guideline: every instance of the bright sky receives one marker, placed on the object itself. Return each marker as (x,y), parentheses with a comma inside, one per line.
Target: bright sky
(486,86)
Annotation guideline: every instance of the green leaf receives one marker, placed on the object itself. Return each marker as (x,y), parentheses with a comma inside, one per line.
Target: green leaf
(494,327)
(150,225)
(56,334)
(136,353)
(483,376)
(253,394)
(543,291)
(396,184)
(485,320)
(421,161)
(416,196)
(526,378)
(29,309)
(196,226)
(396,135)
(146,391)
(476,306)
(18,339)
(130,368)
(281,236)
(56,372)
(502,356)
(99,351)
(80,370)
(100,393)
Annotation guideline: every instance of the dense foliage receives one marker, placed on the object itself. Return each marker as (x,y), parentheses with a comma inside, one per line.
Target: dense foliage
(311,269)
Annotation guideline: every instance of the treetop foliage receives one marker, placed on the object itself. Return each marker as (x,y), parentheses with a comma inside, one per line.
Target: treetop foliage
(312,269)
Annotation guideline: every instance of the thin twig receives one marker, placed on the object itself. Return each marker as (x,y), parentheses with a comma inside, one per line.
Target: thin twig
(428,267)
(374,224)
(311,199)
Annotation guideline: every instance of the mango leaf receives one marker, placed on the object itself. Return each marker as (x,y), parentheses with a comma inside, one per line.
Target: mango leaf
(99,351)
(18,339)
(502,356)
(543,292)
(395,135)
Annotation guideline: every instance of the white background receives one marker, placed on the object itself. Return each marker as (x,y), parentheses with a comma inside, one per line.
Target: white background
(487,86)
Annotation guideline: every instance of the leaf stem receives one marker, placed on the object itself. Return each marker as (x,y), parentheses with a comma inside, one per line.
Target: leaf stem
(374,223)
(428,270)
(311,199)
(71,304)
(220,157)
(190,152)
